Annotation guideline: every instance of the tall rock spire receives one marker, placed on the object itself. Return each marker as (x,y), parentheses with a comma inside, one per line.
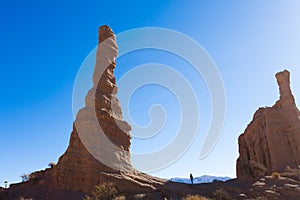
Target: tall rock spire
(99,148)
(100,140)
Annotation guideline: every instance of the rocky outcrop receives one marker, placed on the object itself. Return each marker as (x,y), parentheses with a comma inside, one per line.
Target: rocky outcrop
(95,126)
(99,145)
(100,141)
(99,149)
(272,139)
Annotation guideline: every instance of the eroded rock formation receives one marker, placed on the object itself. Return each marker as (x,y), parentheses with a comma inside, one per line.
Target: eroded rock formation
(272,139)
(100,141)
(99,145)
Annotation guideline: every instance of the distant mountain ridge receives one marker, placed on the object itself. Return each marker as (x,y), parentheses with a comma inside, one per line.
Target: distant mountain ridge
(201,179)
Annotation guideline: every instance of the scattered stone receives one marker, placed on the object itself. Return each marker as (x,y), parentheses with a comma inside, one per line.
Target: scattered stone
(258,184)
(292,186)
(271,192)
(242,195)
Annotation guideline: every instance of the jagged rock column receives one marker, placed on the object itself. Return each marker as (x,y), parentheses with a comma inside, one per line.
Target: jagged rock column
(100,139)
(99,145)
(272,139)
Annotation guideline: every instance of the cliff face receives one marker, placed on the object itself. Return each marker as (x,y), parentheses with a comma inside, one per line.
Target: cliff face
(272,139)
(99,145)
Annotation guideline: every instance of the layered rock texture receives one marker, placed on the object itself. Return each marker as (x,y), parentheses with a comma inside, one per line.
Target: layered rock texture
(99,145)
(272,139)
(100,141)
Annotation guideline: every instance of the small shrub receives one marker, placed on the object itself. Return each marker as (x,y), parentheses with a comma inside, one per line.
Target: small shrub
(52,164)
(288,169)
(261,198)
(142,196)
(195,197)
(257,169)
(164,193)
(275,175)
(217,181)
(291,173)
(221,194)
(25,177)
(120,198)
(104,191)
(35,176)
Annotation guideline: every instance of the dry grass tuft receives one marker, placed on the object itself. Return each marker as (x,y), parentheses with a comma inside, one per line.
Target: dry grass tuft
(275,175)
(195,197)
(221,194)
(104,191)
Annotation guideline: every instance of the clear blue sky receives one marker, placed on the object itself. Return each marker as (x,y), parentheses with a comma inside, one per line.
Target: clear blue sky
(42,44)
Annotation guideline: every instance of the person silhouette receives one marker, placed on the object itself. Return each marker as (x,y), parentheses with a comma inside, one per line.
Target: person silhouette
(191,177)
